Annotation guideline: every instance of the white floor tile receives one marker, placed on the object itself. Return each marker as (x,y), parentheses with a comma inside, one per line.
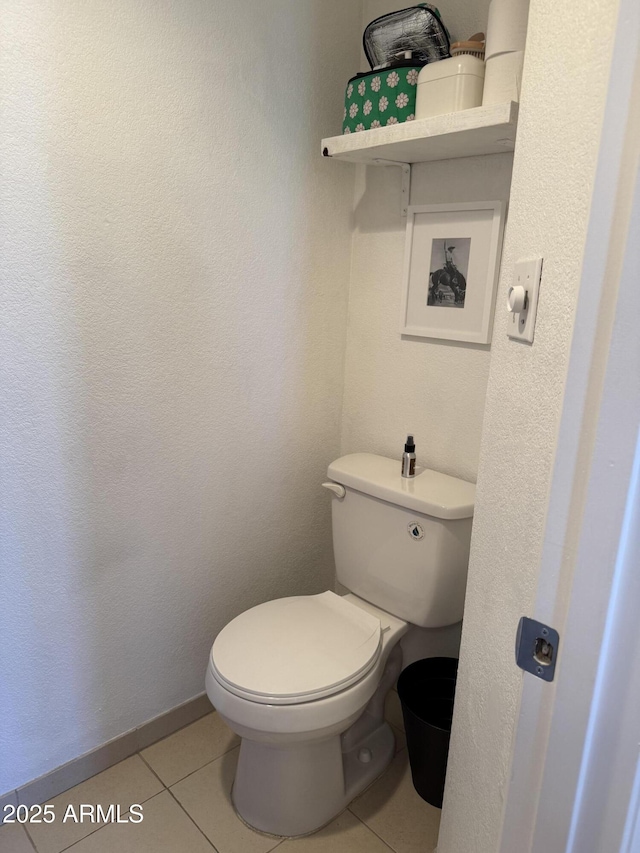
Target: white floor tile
(206,796)
(190,749)
(125,783)
(395,812)
(164,829)
(346,834)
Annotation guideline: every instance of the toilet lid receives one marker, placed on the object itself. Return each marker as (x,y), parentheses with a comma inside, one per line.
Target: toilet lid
(296,649)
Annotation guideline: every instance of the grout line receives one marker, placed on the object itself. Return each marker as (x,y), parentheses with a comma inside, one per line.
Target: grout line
(144,760)
(255,832)
(177,782)
(364,823)
(208,840)
(104,825)
(282,840)
(93,832)
(24,826)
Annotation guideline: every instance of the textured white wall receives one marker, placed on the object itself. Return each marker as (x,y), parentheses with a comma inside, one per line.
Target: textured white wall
(395,385)
(175,276)
(555,158)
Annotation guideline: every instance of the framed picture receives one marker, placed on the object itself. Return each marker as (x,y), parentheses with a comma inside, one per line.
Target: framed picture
(451,266)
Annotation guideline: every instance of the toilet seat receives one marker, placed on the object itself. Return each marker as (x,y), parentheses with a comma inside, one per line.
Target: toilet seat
(295,650)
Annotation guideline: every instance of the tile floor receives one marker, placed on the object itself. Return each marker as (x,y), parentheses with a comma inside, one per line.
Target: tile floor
(184,782)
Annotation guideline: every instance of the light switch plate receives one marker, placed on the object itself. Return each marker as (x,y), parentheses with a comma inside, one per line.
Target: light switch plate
(522,324)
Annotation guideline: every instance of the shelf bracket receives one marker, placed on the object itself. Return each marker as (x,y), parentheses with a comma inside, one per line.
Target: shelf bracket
(406,182)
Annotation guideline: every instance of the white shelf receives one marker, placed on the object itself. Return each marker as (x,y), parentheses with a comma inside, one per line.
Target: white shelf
(482,130)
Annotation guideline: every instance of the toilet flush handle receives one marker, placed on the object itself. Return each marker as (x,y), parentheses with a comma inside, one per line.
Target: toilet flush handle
(338,490)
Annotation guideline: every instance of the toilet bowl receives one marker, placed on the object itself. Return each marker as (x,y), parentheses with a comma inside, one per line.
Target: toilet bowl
(303,680)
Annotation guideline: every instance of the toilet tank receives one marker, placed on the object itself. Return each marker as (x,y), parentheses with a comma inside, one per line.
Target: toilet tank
(402,544)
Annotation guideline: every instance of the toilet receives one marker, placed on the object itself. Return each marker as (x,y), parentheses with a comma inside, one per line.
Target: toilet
(303,680)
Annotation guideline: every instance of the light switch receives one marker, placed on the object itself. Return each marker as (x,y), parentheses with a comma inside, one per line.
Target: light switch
(522,299)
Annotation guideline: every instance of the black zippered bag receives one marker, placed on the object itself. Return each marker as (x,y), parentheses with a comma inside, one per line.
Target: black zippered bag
(418,29)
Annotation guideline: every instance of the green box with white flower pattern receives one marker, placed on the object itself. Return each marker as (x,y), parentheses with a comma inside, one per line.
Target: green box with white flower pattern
(381,98)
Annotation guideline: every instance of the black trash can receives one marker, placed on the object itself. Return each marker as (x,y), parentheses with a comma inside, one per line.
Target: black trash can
(427,689)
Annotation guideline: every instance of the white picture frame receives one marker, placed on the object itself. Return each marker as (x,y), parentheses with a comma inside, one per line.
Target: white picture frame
(455,301)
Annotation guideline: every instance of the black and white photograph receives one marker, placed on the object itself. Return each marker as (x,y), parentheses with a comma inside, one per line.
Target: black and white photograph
(448,272)
(439,264)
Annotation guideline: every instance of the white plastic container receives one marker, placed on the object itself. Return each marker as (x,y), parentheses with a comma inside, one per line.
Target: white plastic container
(450,85)
(503,78)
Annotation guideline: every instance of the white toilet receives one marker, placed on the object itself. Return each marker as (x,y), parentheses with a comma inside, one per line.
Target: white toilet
(303,680)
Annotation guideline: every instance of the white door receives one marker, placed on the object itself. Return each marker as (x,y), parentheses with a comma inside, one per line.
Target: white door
(575,781)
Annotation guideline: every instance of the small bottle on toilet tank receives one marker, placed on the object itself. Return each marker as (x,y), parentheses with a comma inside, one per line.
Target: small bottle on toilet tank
(409,458)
